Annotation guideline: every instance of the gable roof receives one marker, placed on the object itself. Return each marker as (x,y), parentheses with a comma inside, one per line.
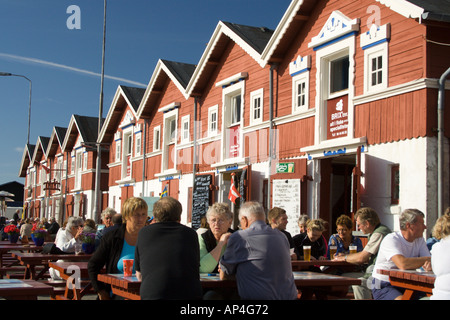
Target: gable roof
(27,155)
(40,148)
(252,40)
(178,72)
(299,10)
(124,96)
(435,10)
(56,139)
(86,127)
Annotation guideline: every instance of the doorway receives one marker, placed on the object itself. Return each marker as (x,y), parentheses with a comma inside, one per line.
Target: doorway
(337,189)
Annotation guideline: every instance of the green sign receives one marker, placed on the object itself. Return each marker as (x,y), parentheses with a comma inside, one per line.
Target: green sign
(287,167)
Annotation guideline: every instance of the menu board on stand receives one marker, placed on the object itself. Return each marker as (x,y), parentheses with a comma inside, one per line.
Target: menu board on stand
(201,198)
(286,194)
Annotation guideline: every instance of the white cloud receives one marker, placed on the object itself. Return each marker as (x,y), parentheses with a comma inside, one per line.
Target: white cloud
(65,67)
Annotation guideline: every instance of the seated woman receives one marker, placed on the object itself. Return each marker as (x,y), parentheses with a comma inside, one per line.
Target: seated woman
(118,244)
(213,242)
(312,237)
(67,239)
(344,238)
(212,246)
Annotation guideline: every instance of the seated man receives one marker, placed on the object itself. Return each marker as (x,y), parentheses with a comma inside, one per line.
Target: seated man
(167,256)
(369,223)
(405,249)
(259,257)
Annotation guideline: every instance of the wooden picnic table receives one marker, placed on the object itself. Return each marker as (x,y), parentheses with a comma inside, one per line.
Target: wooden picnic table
(7,262)
(299,265)
(77,279)
(32,260)
(411,281)
(128,287)
(14,289)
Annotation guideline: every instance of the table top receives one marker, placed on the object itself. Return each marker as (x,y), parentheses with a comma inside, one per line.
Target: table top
(23,288)
(411,275)
(66,267)
(301,278)
(37,257)
(18,246)
(329,263)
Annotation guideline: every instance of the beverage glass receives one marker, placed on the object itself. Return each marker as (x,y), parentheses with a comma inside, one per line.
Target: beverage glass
(78,248)
(127,267)
(352,249)
(307,253)
(333,250)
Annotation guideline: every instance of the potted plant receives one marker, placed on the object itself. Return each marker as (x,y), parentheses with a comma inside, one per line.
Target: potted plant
(13,233)
(88,242)
(38,234)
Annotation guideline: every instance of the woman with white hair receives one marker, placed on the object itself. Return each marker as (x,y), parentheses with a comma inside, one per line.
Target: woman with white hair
(66,239)
(213,242)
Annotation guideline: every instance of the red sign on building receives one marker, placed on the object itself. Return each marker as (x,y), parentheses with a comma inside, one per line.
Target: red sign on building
(337,117)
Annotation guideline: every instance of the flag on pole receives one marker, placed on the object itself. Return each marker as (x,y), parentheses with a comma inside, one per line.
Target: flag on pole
(164,193)
(233,194)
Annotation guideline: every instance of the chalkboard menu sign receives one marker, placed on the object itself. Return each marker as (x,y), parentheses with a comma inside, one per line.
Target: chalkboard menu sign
(200,198)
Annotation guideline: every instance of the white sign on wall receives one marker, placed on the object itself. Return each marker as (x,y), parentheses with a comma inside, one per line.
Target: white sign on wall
(286,195)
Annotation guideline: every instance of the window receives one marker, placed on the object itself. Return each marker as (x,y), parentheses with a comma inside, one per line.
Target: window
(300,92)
(156,138)
(376,68)
(72,165)
(256,113)
(171,127)
(339,74)
(235,109)
(137,151)
(118,149)
(129,144)
(375,43)
(376,71)
(185,134)
(212,121)
(395,184)
(85,160)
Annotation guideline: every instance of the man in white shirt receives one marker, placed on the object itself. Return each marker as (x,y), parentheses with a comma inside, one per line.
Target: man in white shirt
(405,249)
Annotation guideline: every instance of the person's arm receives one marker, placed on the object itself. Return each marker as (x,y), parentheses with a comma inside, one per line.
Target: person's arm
(404,263)
(355,258)
(217,251)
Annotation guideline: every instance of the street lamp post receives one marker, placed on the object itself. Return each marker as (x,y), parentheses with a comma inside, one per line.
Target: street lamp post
(7,74)
(98,174)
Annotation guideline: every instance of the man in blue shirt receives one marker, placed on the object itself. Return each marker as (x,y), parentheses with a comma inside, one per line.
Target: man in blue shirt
(259,258)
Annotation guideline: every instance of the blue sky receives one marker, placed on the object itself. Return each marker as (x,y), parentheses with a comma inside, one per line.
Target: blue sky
(64,64)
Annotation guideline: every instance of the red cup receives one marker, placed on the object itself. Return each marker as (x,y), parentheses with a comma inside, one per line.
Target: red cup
(127,267)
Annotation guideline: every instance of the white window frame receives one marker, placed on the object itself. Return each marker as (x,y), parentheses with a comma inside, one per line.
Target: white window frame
(118,149)
(127,137)
(138,143)
(185,131)
(85,160)
(296,80)
(370,53)
(157,138)
(255,96)
(78,168)
(213,124)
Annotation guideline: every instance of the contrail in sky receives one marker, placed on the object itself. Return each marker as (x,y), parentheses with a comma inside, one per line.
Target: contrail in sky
(68,68)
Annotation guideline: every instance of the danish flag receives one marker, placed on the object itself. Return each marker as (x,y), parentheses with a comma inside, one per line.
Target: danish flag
(233,194)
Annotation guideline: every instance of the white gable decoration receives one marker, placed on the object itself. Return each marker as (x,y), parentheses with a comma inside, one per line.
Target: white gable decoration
(337,26)
(301,64)
(128,120)
(375,35)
